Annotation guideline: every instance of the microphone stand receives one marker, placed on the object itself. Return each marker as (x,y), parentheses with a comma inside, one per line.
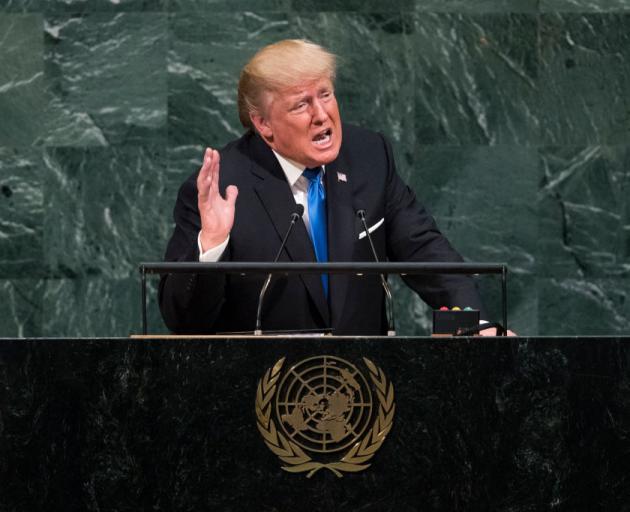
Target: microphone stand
(295,216)
(391,329)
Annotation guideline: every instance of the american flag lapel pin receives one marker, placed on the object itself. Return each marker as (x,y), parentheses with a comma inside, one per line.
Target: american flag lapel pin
(342,177)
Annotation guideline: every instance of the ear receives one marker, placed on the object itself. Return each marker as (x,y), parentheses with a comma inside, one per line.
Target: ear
(262,125)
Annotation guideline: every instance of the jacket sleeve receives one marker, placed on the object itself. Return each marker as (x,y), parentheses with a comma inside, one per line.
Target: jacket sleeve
(413,235)
(189,303)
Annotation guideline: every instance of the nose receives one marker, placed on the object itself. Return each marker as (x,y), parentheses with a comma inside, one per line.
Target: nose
(319,111)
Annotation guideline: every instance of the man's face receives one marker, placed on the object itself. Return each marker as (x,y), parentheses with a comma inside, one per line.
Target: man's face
(302,123)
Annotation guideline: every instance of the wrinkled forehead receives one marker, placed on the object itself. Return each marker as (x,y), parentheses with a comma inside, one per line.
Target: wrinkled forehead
(289,93)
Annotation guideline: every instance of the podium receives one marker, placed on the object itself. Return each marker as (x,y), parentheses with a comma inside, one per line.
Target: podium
(348,268)
(171,424)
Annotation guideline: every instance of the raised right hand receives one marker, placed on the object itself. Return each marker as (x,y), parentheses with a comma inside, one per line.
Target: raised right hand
(217,214)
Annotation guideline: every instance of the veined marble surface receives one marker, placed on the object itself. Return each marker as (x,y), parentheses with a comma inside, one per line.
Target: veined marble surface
(509,118)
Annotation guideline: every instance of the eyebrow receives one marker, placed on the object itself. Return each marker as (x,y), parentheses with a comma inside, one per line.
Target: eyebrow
(301,95)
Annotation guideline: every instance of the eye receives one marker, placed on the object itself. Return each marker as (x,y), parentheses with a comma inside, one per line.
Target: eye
(301,105)
(326,95)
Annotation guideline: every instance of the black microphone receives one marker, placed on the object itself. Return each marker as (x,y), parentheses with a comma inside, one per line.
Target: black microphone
(391,330)
(295,216)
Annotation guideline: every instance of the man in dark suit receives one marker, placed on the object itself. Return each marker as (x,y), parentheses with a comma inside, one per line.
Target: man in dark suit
(239,205)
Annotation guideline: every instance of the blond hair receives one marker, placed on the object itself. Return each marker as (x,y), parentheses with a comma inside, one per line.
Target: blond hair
(280,66)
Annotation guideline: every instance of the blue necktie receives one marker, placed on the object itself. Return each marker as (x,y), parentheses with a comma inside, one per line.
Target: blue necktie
(317,217)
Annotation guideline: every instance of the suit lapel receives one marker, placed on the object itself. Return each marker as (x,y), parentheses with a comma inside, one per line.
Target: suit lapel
(341,234)
(275,194)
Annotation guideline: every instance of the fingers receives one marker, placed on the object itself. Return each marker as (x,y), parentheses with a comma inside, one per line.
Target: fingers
(213,172)
(231,193)
(208,174)
(208,180)
(203,183)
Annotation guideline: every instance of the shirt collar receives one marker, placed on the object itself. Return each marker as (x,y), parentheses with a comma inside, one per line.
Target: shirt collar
(292,170)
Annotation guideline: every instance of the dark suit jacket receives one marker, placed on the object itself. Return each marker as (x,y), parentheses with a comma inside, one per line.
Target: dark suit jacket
(211,303)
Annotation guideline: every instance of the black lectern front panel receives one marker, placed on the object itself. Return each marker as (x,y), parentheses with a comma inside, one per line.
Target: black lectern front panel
(315,424)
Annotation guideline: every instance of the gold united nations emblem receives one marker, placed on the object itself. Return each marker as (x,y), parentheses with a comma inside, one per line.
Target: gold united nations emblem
(320,413)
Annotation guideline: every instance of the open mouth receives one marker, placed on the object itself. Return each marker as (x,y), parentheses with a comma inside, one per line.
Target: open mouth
(323,138)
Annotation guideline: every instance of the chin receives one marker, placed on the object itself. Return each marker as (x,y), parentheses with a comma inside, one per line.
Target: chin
(329,157)
(326,156)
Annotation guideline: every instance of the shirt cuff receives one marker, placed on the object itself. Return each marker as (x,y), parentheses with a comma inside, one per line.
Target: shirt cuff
(213,254)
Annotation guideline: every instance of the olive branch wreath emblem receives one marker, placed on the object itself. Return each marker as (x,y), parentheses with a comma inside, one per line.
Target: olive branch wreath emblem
(297,460)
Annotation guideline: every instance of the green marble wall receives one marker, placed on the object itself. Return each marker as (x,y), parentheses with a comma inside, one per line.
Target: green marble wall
(510,118)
